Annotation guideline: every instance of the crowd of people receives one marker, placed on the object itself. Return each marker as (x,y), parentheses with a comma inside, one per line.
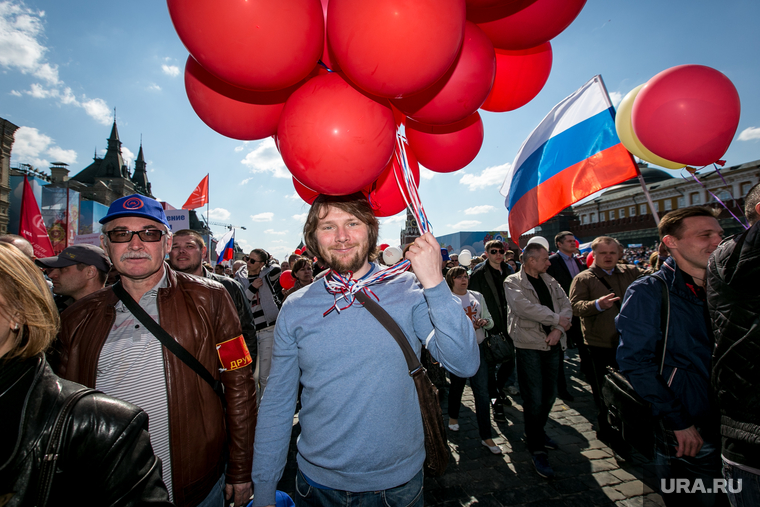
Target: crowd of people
(153,378)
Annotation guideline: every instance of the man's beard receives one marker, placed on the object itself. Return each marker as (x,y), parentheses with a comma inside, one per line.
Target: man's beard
(191,268)
(353,264)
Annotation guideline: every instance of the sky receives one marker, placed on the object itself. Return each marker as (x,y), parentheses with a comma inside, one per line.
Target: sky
(64,67)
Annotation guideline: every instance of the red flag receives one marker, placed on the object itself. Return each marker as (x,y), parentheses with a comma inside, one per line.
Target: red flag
(31,226)
(199,197)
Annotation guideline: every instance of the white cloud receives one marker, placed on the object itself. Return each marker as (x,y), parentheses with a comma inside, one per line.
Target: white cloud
(502,227)
(616,98)
(98,109)
(245,181)
(300,218)
(479,210)
(263,217)
(490,176)
(395,219)
(153,87)
(293,196)
(464,224)
(21,32)
(127,155)
(242,146)
(170,70)
(272,231)
(426,174)
(266,159)
(30,145)
(20,28)
(60,155)
(219,214)
(749,134)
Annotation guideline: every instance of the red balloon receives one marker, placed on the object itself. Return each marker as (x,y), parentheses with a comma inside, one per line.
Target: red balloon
(478,4)
(334,138)
(520,75)
(254,44)
(327,57)
(286,279)
(395,47)
(446,148)
(383,246)
(590,259)
(464,87)
(384,194)
(526,26)
(688,114)
(307,194)
(231,111)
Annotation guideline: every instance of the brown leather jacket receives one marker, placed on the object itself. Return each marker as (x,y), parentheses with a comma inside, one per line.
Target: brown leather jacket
(198,313)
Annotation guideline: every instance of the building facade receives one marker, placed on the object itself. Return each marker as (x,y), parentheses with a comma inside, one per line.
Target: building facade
(7,130)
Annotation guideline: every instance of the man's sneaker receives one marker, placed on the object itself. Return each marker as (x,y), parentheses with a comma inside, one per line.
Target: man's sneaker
(498,412)
(541,464)
(550,444)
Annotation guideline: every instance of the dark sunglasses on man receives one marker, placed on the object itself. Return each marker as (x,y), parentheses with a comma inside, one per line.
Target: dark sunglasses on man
(495,251)
(146,235)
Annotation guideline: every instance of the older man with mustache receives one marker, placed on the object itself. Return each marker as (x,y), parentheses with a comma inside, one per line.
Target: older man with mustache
(104,345)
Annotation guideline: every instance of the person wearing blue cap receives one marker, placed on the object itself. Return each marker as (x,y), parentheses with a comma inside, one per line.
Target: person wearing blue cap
(105,345)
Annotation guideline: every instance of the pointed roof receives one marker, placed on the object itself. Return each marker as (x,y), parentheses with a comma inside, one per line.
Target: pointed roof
(110,166)
(140,176)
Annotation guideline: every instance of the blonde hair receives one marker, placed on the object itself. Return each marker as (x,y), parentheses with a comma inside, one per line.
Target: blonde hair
(28,301)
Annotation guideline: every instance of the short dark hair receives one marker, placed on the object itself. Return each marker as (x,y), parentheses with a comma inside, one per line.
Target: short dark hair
(102,275)
(672,223)
(532,251)
(751,200)
(300,264)
(493,244)
(454,272)
(194,234)
(559,237)
(260,252)
(354,204)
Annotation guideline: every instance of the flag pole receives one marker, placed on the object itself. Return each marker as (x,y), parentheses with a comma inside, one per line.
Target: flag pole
(208,214)
(646,194)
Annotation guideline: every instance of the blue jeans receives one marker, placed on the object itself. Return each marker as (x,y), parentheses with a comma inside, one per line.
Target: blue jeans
(537,374)
(405,495)
(704,466)
(749,495)
(479,384)
(215,497)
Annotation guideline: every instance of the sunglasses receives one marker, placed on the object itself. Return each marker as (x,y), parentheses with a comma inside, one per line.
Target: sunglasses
(146,235)
(495,251)
(250,260)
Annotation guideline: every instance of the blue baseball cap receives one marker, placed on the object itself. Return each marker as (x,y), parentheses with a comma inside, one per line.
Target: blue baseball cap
(136,205)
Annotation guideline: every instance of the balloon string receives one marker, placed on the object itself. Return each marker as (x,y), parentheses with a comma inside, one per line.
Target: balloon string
(411,196)
(694,175)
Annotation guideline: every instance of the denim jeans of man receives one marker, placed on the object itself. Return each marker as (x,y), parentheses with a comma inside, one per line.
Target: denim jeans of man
(537,375)
(706,466)
(215,498)
(479,385)
(405,495)
(749,493)
(601,358)
(498,375)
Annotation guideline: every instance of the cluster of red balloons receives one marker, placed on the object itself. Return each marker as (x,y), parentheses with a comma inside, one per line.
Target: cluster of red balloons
(254,71)
(685,115)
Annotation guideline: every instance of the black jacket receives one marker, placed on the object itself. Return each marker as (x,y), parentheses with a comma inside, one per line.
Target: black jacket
(243,309)
(106,456)
(733,298)
(496,306)
(559,271)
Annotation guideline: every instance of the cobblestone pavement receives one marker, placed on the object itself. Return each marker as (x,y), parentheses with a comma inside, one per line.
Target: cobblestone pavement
(588,473)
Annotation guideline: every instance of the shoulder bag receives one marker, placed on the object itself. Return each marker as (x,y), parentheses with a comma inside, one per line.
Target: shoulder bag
(628,413)
(498,347)
(167,340)
(436,446)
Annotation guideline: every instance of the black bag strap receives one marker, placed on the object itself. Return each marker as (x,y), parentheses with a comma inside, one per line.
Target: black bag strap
(167,340)
(393,328)
(492,285)
(608,287)
(53,450)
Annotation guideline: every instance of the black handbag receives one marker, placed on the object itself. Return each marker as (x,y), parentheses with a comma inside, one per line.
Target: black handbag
(498,348)
(436,447)
(627,412)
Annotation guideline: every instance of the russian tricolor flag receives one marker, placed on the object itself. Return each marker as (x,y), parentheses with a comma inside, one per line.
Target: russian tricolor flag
(225,248)
(574,152)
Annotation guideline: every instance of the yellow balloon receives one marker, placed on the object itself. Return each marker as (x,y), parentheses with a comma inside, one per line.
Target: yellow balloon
(628,137)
